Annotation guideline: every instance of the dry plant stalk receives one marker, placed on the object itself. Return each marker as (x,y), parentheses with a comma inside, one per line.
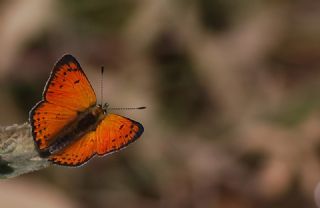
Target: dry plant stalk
(18,154)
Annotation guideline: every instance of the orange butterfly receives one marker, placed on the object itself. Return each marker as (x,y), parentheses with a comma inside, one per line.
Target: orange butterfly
(69,127)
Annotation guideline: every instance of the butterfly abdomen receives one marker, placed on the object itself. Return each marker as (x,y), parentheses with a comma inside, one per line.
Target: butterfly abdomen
(87,121)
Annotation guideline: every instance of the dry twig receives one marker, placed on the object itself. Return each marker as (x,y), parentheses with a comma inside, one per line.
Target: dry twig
(17,151)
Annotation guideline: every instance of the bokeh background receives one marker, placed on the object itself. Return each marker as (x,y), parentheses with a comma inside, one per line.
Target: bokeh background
(232,90)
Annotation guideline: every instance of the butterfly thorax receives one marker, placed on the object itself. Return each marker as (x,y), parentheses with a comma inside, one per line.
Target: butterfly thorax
(85,122)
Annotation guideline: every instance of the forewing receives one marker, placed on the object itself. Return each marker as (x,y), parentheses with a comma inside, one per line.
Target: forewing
(68,86)
(116,132)
(67,93)
(113,133)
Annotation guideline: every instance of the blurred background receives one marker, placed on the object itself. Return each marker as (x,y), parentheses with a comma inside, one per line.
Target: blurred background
(232,90)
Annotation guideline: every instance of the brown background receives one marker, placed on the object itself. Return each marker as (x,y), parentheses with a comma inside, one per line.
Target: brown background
(232,90)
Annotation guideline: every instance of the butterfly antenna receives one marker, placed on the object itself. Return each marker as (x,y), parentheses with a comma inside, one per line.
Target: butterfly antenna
(101,84)
(136,108)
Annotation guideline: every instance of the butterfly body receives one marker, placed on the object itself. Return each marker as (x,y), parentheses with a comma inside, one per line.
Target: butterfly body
(68,126)
(84,123)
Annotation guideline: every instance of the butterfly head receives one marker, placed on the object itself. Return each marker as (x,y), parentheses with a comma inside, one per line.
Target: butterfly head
(104,108)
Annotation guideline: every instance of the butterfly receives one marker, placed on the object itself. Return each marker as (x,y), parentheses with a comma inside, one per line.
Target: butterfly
(69,127)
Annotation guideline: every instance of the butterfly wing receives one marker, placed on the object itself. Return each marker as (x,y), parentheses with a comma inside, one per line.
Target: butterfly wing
(77,153)
(113,133)
(116,132)
(68,86)
(47,120)
(67,93)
